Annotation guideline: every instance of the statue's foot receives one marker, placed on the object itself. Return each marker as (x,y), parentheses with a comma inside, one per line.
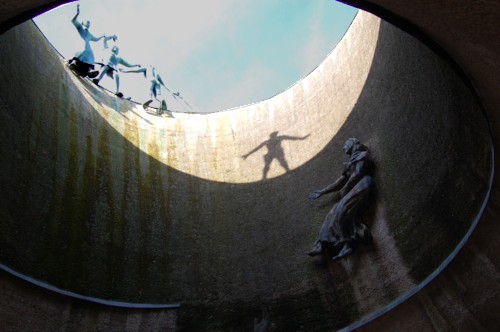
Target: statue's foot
(95,81)
(347,250)
(146,104)
(316,250)
(92,74)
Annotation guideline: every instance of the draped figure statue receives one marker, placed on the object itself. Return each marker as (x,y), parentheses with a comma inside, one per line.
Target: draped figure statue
(343,228)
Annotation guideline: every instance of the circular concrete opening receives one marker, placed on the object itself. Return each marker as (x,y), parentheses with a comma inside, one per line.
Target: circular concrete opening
(110,202)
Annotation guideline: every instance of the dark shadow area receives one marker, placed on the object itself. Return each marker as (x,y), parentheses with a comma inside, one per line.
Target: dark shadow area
(60,311)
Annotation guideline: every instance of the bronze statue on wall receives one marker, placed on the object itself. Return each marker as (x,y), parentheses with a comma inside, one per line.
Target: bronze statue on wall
(343,228)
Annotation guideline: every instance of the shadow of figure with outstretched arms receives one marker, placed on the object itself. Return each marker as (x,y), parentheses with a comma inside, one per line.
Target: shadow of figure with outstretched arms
(274,151)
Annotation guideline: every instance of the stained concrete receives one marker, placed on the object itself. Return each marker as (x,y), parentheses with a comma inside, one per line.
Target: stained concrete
(127,206)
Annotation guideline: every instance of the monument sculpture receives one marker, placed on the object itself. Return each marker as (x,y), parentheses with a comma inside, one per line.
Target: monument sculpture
(343,228)
(83,62)
(155,91)
(111,69)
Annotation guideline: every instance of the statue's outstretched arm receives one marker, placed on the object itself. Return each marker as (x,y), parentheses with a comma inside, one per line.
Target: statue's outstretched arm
(126,63)
(335,186)
(106,38)
(95,39)
(142,70)
(158,77)
(74,19)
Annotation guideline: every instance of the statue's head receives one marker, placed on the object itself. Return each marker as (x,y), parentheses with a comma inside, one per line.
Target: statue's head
(115,50)
(86,24)
(274,134)
(350,144)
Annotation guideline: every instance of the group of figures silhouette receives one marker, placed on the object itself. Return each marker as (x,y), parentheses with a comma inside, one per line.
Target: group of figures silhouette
(343,228)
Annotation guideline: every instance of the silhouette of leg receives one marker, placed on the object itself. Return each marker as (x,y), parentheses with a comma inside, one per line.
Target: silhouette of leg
(284,164)
(265,171)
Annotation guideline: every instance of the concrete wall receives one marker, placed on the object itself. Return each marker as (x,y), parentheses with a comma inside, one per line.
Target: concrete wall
(107,201)
(14,12)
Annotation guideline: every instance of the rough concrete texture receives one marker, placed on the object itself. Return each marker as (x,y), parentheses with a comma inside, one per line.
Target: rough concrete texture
(26,307)
(107,201)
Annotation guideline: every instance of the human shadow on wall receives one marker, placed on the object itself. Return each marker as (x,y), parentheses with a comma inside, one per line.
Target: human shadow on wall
(274,151)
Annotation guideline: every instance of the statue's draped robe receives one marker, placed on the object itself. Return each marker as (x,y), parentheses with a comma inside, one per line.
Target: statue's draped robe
(87,55)
(343,224)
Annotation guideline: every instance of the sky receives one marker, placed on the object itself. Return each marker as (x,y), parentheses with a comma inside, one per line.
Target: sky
(218,54)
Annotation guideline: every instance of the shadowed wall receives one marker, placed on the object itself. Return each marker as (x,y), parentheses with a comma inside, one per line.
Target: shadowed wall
(112,203)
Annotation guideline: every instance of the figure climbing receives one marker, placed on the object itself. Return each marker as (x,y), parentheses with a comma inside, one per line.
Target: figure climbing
(83,62)
(111,69)
(155,91)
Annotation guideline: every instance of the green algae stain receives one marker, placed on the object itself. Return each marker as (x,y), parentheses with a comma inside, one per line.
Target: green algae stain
(130,208)
(104,227)
(153,211)
(75,206)
(87,191)
(71,235)
(172,142)
(47,154)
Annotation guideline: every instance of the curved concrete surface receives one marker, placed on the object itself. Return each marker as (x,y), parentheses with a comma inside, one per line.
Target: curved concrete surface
(14,12)
(107,201)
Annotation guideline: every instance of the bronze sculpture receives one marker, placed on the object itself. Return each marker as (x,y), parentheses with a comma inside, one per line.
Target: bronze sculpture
(83,62)
(343,228)
(111,69)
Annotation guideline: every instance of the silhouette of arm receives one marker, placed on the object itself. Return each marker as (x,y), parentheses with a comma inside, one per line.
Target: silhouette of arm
(294,138)
(254,150)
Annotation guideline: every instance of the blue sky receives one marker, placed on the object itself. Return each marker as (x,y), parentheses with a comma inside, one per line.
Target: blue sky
(218,54)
